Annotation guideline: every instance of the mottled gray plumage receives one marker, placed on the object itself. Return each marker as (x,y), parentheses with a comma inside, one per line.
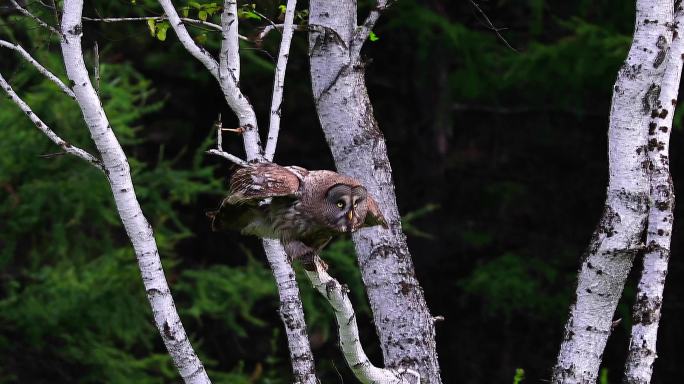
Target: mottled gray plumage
(302,208)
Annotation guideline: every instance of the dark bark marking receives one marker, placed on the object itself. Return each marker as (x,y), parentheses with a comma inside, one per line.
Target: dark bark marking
(650,99)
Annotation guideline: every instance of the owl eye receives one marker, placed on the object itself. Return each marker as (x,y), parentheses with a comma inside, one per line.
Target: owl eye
(356,204)
(340,204)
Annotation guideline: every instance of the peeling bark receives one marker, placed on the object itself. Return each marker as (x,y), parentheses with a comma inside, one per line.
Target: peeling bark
(646,311)
(402,319)
(617,238)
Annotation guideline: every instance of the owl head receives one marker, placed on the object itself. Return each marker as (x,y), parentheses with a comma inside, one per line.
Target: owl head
(345,207)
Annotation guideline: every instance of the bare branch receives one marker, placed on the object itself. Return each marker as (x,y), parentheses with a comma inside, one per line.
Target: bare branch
(190,45)
(229,80)
(38,66)
(364,30)
(291,313)
(279,80)
(188,20)
(356,358)
(96,68)
(277,27)
(40,22)
(649,297)
(228,156)
(491,26)
(68,148)
(229,57)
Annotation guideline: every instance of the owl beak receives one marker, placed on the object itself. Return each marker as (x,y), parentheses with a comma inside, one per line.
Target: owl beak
(350,216)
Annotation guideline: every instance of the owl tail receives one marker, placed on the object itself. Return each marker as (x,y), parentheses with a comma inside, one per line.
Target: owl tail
(231,217)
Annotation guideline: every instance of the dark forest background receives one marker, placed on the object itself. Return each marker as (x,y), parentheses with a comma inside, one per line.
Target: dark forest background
(499,159)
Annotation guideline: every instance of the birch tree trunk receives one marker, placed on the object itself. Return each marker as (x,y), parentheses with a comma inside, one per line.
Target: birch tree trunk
(118,174)
(403,322)
(617,237)
(646,311)
(227,73)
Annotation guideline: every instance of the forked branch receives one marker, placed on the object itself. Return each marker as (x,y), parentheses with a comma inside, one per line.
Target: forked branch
(337,296)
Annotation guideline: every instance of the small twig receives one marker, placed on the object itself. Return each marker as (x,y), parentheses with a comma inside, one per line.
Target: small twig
(43,24)
(228,156)
(213,26)
(96,68)
(38,66)
(51,155)
(218,125)
(276,27)
(78,152)
(238,130)
(491,26)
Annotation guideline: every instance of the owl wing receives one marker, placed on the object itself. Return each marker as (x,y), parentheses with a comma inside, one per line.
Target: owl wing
(260,181)
(373,215)
(243,209)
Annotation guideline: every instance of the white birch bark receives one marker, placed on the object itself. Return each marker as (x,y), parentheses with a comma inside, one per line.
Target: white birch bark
(227,73)
(291,313)
(354,355)
(279,81)
(403,322)
(67,147)
(646,311)
(44,71)
(137,227)
(617,238)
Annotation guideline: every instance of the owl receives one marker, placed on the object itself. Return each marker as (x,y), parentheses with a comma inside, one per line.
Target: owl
(303,209)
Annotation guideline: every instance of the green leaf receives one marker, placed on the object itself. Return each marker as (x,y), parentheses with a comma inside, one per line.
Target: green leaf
(282,8)
(185,11)
(211,8)
(248,15)
(519,376)
(373,37)
(152,26)
(161,30)
(202,15)
(194,4)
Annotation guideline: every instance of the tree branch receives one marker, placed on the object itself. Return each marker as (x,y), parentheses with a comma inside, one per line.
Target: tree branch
(137,227)
(229,80)
(617,238)
(279,80)
(190,45)
(38,66)
(363,31)
(68,148)
(649,297)
(40,22)
(188,20)
(292,313)
(356,358)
